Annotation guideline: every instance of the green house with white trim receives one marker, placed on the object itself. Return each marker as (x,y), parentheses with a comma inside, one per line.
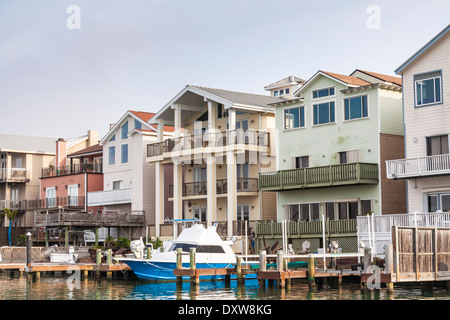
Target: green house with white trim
(333,138)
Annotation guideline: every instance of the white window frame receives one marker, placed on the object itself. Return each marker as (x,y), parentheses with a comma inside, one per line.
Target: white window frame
(304,118)
(326,97)
(351,97)
(434,85)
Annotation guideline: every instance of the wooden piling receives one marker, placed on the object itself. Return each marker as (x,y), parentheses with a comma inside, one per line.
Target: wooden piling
(179,264)
(192,265)
(311,272)
(239,274)
(262,265)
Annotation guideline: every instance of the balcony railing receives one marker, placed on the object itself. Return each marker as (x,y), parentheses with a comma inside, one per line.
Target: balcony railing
(308,228)
(418,167)
(110,197)
(73,169)
(326,176)
(111,218)
(199,188)
(14,175)
(49,203)
(207,139)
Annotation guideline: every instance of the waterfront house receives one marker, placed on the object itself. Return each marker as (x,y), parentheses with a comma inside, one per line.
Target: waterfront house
(223,140)
(128,181)
(21,161)
(426,110)
(333,138)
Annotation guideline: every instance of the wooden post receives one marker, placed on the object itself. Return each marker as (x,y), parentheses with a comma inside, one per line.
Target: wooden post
(262,266)
(179,263)
(367,258)
(311,272)
(240,276)
(98,256)
(192,265)
(149,252)
(280,268)
(108,262)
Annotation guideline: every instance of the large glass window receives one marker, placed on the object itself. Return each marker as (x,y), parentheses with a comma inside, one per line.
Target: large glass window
(124,153)
(124,131)
(137,124)
(428,88)
(112,155)
(356,108)
(437,145)
(294,118)
(326,92)
(438,201)
(324,113)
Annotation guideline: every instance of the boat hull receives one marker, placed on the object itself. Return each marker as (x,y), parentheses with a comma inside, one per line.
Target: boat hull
(163,271)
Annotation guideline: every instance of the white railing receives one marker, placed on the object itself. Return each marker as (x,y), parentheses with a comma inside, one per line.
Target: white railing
(420,166)
(376,231)
(110,197)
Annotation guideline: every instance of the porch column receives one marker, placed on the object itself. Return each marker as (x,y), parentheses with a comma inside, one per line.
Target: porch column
(159,182)
(177,173)
(211,185)
(231,173)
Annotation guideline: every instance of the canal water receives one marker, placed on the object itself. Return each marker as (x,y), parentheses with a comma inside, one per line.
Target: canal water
(61,287)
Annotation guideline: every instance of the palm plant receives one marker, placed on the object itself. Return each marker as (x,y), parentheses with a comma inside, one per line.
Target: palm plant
(11,215)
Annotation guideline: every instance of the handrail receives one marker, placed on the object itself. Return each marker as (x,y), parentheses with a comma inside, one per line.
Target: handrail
(418,166)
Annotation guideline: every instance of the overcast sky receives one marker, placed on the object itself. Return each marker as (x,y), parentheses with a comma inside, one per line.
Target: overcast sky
(60,81)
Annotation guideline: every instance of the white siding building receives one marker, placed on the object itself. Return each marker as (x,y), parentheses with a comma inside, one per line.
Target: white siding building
(426,109)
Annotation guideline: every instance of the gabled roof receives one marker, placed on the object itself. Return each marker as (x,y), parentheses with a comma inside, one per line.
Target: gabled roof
(382,77)
(27,144)
(141,116)
(284,82)
(192,98)
(96,149)
(349,80)
(422,50)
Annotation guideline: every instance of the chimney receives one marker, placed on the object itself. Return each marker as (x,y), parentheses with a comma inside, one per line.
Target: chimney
(61,153)
(92,138)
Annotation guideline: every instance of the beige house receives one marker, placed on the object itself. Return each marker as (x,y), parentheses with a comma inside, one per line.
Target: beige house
(426,111)
(223,140)
(22,159)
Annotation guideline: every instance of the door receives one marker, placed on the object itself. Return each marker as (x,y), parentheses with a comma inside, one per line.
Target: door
(199,181)
(73,195)
(242,171)
(200,213)
(50,196)
(242,135)
(243,214)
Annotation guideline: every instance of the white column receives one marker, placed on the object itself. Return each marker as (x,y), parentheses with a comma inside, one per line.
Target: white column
(231,174)
(211,185)
(177,172)
(159,182)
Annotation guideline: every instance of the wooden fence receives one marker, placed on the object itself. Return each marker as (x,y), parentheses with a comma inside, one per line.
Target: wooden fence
(421,253)
(15,232)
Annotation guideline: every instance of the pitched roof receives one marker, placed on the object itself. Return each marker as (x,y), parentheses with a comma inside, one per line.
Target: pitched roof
(348,79)
(89,150)
(241,98)
(383,77)
(144,116)
(29,144)
(422,50)
(285,81)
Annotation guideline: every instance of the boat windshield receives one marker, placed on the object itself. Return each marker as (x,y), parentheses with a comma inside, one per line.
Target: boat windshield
(185,247)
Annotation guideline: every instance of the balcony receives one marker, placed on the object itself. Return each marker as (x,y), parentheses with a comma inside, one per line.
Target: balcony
(110,197)
(418,167)
(49,203)
(216,139)
(199,188)
(73,169)
(315,177)
(14,175)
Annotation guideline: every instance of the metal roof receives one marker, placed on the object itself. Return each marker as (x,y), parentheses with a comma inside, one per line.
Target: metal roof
(29,144)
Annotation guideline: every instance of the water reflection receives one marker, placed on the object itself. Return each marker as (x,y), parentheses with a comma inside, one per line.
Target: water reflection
(52,287)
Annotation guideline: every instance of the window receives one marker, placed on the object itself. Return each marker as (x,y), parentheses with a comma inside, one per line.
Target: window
(124,153)
(243,212)
(275,93)
(294,118)
(124,131)
(438,201)
(301,162)
(323,93)
(72,193)
(437,145)
(303,212)
(220,111)
(50,195)
(348,156)
(366,206)
(281,92)
(428,88)
(185,247)
(323,113)
(113,138)
(137,124)
(200,213)
(329,211)
(355,108)
(286,91)
(210,249)
(117,185)
(112,155)
(348,210)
